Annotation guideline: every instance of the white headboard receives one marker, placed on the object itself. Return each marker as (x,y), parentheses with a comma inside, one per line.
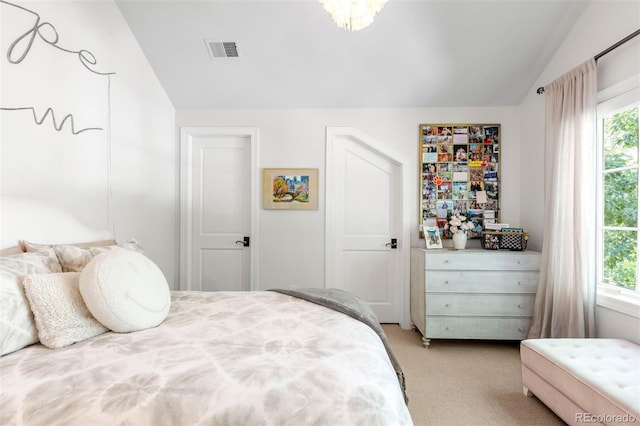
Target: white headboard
(40,222)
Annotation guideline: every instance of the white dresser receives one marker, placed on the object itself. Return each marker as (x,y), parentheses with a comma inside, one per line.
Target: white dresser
(473,293)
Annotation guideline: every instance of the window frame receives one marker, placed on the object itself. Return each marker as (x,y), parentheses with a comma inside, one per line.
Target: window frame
(616,98)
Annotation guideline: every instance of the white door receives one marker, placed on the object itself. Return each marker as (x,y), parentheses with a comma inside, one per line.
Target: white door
(217,195)
(364,202)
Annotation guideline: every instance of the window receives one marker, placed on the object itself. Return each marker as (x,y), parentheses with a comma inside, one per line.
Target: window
(617,235)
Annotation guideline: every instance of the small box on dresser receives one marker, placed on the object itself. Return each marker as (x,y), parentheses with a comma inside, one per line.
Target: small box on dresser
(473,293)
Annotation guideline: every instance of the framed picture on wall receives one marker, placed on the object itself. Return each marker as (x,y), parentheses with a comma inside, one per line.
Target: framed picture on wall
(290,189)
(459,174)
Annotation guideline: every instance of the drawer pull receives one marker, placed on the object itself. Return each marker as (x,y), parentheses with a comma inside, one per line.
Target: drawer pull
(446,282)
(520,306)
(446,261)
(520,329)
(446,305)
(519,282)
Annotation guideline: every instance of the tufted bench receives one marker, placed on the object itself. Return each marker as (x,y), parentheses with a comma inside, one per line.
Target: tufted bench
(584,380)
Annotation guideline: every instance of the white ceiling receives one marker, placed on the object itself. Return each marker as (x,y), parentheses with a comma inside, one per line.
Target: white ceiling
(417,53)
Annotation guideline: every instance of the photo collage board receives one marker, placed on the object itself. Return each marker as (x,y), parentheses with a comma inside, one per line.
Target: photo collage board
(460,174)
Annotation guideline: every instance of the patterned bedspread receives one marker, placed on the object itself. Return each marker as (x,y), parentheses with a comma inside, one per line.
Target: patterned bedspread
(224,358)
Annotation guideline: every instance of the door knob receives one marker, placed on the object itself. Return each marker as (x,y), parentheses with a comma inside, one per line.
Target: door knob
(393,244)
(244,242)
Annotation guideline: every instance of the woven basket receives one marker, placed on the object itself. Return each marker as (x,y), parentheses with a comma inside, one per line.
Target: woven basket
(504,240)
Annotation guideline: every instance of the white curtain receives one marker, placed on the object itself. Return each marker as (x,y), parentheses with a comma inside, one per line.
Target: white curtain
(565,302)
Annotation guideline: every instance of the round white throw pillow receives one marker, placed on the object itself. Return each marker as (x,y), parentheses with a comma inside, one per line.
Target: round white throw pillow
(125,291)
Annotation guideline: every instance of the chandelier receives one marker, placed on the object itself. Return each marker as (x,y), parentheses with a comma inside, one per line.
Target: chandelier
(353,15)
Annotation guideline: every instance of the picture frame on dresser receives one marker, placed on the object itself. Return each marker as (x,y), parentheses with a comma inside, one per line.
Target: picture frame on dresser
(432,237)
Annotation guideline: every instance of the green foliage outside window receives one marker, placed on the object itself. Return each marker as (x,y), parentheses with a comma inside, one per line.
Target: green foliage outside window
(621,198)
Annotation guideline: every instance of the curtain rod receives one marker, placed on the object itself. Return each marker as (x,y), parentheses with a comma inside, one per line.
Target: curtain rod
(604,52)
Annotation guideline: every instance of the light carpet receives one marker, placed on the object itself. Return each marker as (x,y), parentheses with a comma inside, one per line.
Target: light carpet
(465,382)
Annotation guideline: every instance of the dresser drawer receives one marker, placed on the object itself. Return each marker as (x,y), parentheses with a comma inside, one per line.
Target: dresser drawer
(483,260)
(473,293)
(479,304)
(477,328)
(482,281)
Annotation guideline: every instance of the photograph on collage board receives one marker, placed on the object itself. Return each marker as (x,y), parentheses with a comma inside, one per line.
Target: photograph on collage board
(460,174)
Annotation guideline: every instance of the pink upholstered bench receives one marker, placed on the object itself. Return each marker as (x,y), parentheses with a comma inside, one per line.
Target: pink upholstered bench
(584,380)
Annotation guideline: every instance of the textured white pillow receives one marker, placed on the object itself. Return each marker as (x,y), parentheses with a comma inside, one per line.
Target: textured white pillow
(61,316)
(73,257)
(17,327)
(125,290)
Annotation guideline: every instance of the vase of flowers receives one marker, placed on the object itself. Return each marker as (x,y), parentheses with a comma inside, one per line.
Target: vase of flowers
(458,227)
(459,240)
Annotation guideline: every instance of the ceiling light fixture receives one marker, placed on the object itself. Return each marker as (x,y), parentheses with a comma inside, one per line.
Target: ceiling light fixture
(353,15)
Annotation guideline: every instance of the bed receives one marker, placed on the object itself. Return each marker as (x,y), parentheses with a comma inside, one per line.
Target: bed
(218,358)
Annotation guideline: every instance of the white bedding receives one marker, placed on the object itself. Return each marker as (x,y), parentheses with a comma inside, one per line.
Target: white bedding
(223,358)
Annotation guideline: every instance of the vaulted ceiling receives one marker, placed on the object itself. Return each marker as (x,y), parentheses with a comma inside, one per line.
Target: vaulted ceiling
(417,53)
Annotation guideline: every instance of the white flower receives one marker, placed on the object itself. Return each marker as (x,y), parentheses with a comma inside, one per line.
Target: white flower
(458,223)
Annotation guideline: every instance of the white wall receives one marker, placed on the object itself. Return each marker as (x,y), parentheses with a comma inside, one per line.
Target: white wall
(296,138)
(602,24)
(72,171)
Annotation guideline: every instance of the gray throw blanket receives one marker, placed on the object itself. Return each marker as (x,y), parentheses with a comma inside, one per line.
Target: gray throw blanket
(351,305)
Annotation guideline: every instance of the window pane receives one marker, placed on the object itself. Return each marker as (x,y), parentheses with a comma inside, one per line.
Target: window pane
(621,139)
(620,258)
(621,198)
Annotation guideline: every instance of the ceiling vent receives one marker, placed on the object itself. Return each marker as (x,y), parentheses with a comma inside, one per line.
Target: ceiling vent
(222,49)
